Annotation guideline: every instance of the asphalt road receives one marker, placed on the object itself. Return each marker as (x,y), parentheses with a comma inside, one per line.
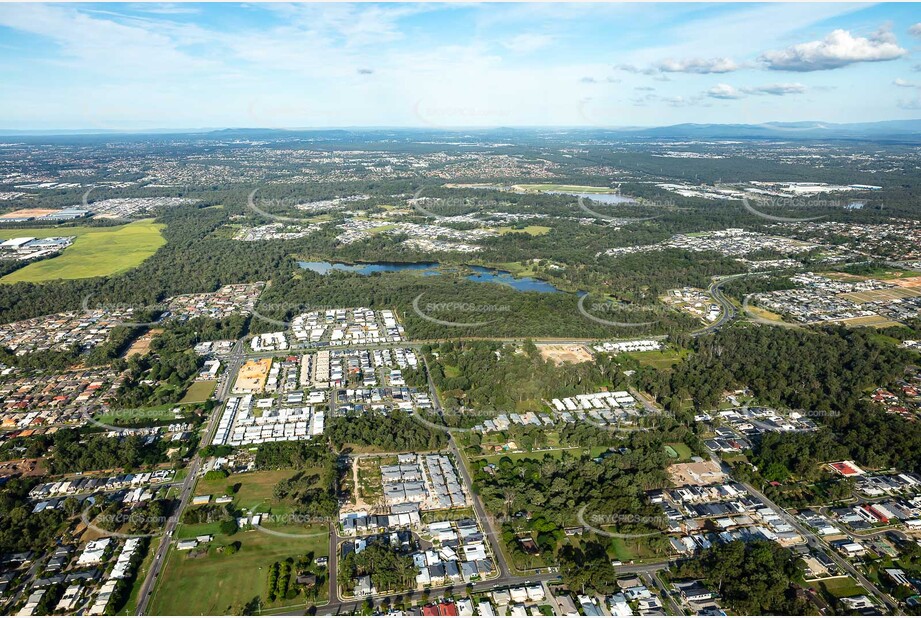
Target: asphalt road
(481,513)
(816,540)
(340,607)
(233,362)
(337,605)
(728,313)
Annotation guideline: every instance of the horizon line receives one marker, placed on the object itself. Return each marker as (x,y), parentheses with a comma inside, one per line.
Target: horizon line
(8,132)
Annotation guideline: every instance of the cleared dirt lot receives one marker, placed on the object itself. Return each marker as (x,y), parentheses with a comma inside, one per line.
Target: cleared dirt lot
(561,353)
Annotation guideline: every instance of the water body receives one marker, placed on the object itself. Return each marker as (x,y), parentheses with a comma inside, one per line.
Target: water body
(324,268)
(522,284)
(601,198)
(480,274)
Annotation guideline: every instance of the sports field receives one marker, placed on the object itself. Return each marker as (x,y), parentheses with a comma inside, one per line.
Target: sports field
(96,252)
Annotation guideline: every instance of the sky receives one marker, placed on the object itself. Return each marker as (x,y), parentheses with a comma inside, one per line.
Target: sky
(115,66)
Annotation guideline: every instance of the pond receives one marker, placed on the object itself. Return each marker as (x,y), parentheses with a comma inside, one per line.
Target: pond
(480,274)
(601,198)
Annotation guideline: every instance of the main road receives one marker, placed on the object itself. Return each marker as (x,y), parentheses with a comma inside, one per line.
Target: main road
(234,360)
(481,513)
(339,607)
(807,535)
(728,311)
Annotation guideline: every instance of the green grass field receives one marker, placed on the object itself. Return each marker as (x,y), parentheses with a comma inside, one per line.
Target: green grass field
(199,392)
(556,453)
(840,587)
(96,252)
(214,584)
(681,450)
(140,415)
(533,230)
(660,359)
(256,489)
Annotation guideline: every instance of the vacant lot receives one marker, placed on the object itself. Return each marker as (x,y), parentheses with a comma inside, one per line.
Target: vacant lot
(213,583)
(206,581)
(143,415)
(874,321)
(660,359)
(141,345)
(97,251)
(564,353)
(881,295)
(256,491)
(840,587)
(533,230)
(199,392)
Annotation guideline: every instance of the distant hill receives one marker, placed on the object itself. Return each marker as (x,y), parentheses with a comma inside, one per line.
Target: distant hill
(888,130)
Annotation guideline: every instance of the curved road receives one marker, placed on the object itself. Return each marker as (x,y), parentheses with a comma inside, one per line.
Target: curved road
(729,311)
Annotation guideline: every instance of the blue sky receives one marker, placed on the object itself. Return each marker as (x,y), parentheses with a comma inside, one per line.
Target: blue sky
(144,66)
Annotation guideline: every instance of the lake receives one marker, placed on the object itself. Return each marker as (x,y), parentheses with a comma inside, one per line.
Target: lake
(480,274)
(601,198)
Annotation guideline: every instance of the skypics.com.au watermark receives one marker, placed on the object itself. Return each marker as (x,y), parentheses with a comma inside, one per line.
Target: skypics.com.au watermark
(464,205)
(277,203)
(119,312)
(614,220)
(287,309)
(611,308)
(455,307)
(787,203)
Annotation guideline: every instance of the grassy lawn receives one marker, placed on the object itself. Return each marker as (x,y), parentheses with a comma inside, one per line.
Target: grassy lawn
(877,273)
(131,604)
(626,550)
(557,453)
(764,313)
(199,392)
(256,489)
(533,230)
(96,252)
(214,583)
(681,450)
(660,359)
(141,415)
(840,587)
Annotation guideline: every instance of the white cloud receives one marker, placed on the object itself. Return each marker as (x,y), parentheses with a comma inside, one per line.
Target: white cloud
(701,66)
(630,68)
(528,42)
(915,30)
(838,49)
(904,83)
(697,65)
(724,91)
(682,101)
(776,89)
